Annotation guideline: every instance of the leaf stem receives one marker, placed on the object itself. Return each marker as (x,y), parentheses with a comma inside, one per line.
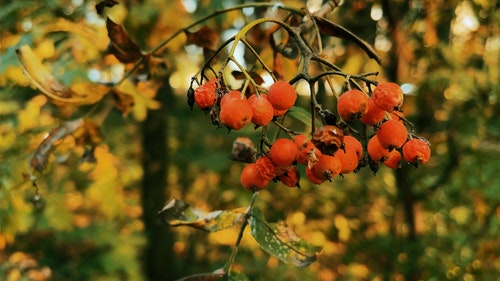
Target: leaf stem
(227,267)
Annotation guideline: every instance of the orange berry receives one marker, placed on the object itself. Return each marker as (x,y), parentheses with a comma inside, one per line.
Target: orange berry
(290,177)
(300,140)
(204,95)
(393,161)
(392,134)
(312,178)
(327,167)
(376,151)
(283,152)
(351,154)
(352,104)
(266,168)
(236,113)
(279,112)
(388,96)
(374,115)
(230,96)
(328,139)
(251,179)
(262,110)
(282,95)
(416,151)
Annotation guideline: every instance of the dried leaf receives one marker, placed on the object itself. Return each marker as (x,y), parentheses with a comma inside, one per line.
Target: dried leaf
(105,4)
(329,28)
(178,213)
(238,75)
(121,45)
(281,241)
(48,84)
(41,156)
(204,37)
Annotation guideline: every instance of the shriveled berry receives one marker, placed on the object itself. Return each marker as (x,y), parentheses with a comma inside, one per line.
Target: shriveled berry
(392,134)
(290,177)
(236,113)
(374,115)
(352,105)
(328,139)
(243,150)
(283,152)
(262,110)
(327,167)
(230,96)
(393,161)
(282,95)
(204,95)
(376,151)
(416,151)
(251,179)
(388,96)
(266,168)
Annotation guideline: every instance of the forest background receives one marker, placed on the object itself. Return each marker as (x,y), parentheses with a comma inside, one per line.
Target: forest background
(95,220)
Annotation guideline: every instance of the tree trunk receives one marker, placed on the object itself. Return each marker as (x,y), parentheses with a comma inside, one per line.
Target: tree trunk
(157,258)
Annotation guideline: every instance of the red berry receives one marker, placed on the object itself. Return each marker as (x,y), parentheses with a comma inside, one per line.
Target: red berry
(262,110)
(351,154)
(374,115)
(235,113)
(290,177)
(204,95)
(327,167)
(375,150)
(392,134)
(230,96)
(283,152)
(393,161)
(312,178)
(251,179)
(266,168)
(388,96)
(416,151)
(282,95)
(352,104)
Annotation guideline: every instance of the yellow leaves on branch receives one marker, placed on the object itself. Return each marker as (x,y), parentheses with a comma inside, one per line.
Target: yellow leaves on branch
(137,99)
(60,94)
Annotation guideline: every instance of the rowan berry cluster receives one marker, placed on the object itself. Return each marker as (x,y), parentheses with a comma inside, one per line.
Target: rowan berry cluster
(332,149)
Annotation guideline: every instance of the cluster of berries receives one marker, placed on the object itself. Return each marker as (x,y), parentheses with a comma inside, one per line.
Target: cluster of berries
(237,111)
(331,150)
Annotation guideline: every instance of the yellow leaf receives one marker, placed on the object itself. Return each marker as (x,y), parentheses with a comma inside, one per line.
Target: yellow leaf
(29,117)
(142,101)
(342,224)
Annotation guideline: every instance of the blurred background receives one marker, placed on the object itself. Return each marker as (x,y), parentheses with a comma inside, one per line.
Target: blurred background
(95,219)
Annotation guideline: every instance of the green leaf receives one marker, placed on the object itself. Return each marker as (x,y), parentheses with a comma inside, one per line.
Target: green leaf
(178,213)
(281,241)
(204,277)
(301,115)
